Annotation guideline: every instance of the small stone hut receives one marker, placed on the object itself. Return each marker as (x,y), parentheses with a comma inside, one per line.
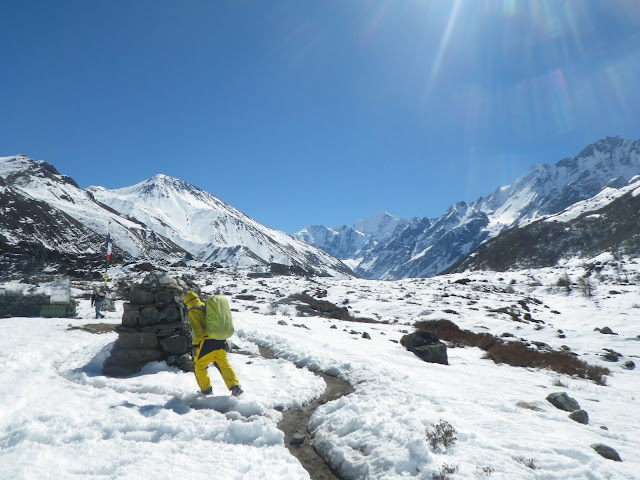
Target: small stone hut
(154,327)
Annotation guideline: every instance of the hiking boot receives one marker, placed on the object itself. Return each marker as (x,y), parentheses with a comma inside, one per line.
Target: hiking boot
(236,391)
(208,391)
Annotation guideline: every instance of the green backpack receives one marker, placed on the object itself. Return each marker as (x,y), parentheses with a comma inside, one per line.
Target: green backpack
(218,324)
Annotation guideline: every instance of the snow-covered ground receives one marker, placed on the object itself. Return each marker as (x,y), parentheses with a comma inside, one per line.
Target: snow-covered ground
(61,419)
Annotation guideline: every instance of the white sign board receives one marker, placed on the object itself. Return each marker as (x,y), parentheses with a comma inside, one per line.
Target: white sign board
(60,291)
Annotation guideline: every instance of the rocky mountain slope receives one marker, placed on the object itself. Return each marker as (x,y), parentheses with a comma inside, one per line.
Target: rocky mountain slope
(608,222)
(48,219)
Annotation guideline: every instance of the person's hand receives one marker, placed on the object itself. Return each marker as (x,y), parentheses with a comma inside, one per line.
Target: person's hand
(194,350)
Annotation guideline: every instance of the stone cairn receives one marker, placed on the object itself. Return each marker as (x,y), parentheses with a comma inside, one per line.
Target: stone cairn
(154,327)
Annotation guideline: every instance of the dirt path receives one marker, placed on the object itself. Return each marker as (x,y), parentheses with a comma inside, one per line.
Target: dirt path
(294,422)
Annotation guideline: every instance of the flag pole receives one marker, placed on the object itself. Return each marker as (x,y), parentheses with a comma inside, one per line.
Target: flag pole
(108,259)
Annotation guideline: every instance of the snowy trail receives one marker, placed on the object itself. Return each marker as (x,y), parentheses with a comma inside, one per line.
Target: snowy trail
(138,427)
(294,422)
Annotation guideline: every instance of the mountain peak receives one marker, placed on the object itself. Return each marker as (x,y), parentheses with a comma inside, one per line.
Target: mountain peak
(161,185)
(381,226)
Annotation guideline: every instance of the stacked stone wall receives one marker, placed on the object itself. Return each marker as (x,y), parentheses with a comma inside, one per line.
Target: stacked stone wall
(14,304)
(17,304)
(154,327)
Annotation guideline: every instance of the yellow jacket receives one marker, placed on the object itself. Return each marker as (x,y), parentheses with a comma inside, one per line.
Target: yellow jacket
(196,316)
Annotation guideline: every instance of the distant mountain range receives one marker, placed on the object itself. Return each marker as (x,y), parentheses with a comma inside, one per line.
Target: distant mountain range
(426,247)
(579,206)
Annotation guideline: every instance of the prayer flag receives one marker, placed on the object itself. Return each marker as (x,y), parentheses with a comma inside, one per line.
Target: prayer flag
(106,263)
(108,247)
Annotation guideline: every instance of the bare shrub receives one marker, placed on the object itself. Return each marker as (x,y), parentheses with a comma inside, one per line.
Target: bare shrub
(488,471)
(585,286)
(445,471)
(450,332)
(529,463)
(558,383)
(441,436)
(514,353)
(564,282)
(519,355)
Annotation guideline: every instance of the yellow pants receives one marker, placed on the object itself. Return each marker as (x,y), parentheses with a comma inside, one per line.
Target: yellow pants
(218,357)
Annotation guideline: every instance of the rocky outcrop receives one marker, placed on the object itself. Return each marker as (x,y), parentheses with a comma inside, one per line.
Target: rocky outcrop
(154,327)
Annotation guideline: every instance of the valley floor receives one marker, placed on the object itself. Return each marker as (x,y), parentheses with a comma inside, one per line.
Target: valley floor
(61,418)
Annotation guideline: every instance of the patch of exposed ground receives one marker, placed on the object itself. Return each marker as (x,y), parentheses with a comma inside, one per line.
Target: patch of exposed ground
(95,327)
(294,425)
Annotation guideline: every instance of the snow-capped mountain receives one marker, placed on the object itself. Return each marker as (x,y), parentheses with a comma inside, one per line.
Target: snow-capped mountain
(427,247)
(607,222)
(162,220)
(47,211)
(381,226)
(351,243)
(210,229)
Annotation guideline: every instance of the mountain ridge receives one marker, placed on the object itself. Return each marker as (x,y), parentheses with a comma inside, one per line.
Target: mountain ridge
(210,229)
(430,246)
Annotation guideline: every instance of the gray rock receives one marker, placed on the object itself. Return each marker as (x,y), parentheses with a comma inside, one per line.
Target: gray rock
(606,452)
(282,322)
(607,331)
(175,344)
(611,356)
(629,365)
(166,281)
(426,346)
(167,296)
(130,315)
(366,335)
(141,296)
(149,316)
(138,356)
(137,341)
(563,401)
(580,416)
(169,314)
(297,439)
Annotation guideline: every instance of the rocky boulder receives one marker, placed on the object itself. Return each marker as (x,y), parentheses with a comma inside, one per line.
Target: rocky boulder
(606,452)
(563,401)
(427,346)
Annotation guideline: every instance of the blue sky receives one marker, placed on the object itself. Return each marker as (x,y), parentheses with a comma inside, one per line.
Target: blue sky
(303,112)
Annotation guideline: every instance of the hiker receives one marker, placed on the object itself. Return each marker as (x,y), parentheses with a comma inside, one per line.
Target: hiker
(96,299)
(206,348)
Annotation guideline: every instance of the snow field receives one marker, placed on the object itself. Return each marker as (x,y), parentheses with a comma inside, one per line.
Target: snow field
(62,419)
